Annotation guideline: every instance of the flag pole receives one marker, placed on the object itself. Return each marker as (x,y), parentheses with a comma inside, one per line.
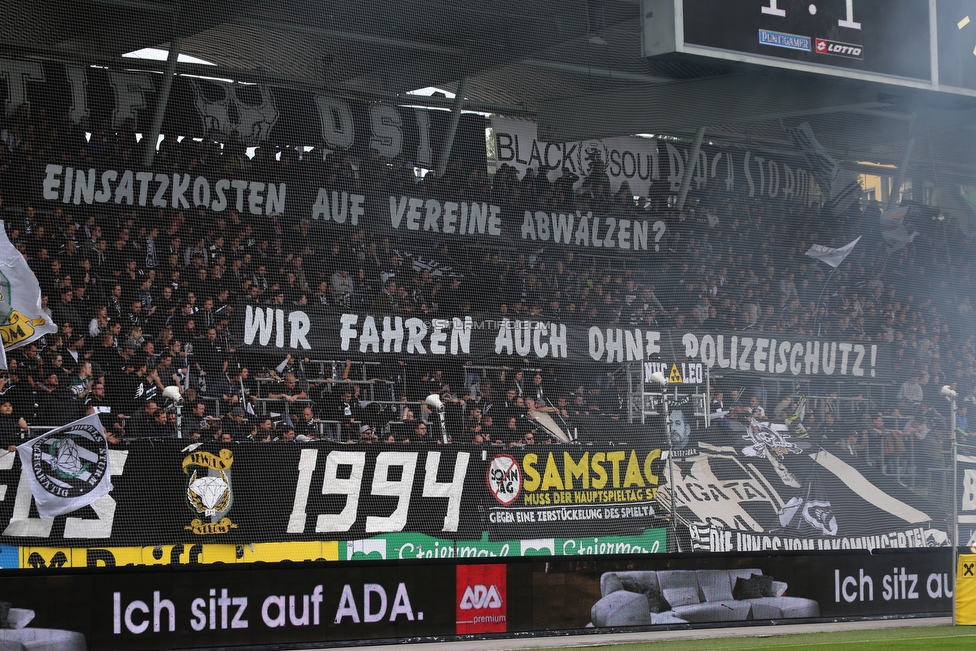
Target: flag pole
(949,394)
(816,322)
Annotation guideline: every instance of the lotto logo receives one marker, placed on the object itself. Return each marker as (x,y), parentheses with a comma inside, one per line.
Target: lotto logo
(479,596)
(836,48)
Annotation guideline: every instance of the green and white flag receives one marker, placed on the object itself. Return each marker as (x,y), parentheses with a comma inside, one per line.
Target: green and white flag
(21,318)
(68,467)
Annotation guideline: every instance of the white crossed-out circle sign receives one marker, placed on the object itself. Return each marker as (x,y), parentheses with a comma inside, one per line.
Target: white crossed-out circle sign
(504,479)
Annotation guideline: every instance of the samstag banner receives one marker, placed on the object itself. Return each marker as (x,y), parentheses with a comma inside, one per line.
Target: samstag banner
(544,493)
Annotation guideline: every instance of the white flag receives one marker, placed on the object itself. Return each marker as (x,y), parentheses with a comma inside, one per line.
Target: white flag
(833,257)
(894,228)
(68,467)
(21,318)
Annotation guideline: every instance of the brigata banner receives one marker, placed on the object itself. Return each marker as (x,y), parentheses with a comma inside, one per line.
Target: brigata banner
(325,333)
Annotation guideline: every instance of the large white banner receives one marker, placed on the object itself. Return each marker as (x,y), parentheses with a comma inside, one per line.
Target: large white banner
(630,159)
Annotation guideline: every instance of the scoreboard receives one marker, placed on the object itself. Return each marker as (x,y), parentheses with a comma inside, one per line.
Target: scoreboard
(925,44)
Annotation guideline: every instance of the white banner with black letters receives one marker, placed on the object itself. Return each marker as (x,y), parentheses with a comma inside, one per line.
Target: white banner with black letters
(634,160)
(646,163)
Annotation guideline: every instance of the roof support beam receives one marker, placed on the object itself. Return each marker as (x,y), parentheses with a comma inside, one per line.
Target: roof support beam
(690,167)
(349,36)
(902,170)
(448,145)
(138,5)
(162,101)
(605,73)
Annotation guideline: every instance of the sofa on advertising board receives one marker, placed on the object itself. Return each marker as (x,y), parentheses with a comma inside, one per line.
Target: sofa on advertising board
(646,598)
(16,636)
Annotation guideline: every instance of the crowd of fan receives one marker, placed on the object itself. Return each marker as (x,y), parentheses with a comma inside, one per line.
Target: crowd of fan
(145,299)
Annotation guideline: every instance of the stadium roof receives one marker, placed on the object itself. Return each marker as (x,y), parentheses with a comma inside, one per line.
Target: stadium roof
(533,58)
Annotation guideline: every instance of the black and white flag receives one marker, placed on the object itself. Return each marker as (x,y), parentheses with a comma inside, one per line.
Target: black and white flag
(894,228)
(832,256)
(68,467)
(839,186)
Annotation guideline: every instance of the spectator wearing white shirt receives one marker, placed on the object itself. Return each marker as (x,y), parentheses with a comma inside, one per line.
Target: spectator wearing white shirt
(910,393)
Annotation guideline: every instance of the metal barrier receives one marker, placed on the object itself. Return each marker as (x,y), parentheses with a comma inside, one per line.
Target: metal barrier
(264,402)
(334,368)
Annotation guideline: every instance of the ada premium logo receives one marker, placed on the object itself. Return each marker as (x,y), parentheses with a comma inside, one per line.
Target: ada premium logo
(504,479)
(208,491)
(481,599)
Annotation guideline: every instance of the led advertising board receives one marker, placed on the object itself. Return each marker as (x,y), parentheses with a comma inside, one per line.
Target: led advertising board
(911,43)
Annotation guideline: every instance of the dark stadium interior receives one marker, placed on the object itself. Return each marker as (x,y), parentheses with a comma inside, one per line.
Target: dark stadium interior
(405,253)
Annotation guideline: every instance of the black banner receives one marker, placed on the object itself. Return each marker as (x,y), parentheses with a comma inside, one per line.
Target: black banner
(245,493)
(739,588)
(229,607)
(324,602)
(203,504)
(257,113)
(331,335)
